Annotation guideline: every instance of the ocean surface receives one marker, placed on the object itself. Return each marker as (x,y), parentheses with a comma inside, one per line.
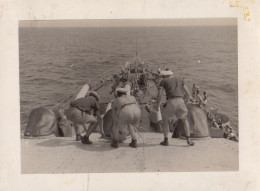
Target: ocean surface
(55,62)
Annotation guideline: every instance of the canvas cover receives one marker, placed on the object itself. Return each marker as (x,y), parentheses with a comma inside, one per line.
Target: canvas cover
(42,122)
(198,121)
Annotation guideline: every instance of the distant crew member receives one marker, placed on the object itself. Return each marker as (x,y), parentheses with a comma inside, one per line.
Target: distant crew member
(205,98)
(230,133)
(199,100)
(126,114)
(220,124)
(158,70)
(194,91)
(215,124)
(80,113)
(174,88)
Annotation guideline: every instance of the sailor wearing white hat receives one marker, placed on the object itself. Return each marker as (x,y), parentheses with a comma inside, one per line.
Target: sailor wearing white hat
(175,106)
(121,90)
(126,115)
(166,73)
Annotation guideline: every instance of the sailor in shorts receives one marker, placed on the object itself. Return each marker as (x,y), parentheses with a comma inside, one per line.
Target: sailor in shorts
(80,113)
(126,115)
(175,105)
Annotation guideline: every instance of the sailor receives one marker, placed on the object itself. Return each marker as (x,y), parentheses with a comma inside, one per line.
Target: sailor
(194,92)
(220,124)
(158,70)
(80,113)
(199,100)
(232,136)
(205,99)
(230,133)
(198,97)
(126,115)
(215,124)
(175,106)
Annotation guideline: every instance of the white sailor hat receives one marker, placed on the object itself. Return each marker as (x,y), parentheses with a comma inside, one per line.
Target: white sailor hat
(166,72)
(95,94)
(122,90)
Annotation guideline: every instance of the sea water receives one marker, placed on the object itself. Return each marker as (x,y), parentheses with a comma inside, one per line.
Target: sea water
(55,62)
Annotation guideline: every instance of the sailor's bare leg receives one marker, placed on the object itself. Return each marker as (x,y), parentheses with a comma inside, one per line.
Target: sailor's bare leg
(186,127)
(91,128)
(131,129)
(115,133)
(115,136)
(165,127)
(187,131)
(165,131)
(76,127)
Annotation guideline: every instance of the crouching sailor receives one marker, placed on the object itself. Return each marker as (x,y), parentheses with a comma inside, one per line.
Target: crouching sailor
(80,113)
(174,88)
(126,114)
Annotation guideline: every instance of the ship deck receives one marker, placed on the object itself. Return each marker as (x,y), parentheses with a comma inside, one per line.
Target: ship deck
(65,155)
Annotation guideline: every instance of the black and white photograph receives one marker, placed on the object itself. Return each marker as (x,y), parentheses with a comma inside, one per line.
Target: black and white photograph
(102,96)
(129,95)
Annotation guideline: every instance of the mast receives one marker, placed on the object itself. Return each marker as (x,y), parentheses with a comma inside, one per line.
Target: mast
(136,45)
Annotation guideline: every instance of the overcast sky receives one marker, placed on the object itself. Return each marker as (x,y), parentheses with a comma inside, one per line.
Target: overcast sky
(128,22)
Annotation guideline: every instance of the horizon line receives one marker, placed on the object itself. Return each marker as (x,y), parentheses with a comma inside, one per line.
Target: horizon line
(130,22)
